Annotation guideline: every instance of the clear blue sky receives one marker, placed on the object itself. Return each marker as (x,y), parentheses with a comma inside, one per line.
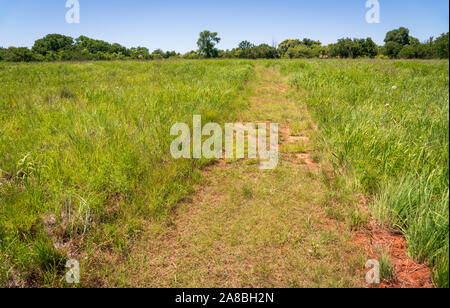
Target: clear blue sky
(175,24)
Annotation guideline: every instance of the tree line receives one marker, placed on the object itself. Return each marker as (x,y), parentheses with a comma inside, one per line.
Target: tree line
(57,47)
(398,44)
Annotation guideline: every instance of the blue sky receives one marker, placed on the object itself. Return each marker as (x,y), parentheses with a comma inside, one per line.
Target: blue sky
(175,24)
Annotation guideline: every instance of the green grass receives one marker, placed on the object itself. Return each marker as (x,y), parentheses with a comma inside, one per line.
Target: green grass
(387,272)
(394,143)
(85,159)
(246,227)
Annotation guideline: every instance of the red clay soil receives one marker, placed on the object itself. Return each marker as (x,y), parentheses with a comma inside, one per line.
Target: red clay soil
(407,273)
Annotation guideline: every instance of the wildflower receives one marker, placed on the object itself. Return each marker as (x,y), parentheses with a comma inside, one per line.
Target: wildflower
(388,105)
(394,87)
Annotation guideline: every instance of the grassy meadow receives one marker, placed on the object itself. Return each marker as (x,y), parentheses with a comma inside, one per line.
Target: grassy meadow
(386,125)
(85,150)
(85,155)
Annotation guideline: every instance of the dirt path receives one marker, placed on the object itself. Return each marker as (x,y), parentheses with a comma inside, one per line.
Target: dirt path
(245,227)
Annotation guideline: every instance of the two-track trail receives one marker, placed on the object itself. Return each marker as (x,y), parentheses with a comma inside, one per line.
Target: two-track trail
(246,227)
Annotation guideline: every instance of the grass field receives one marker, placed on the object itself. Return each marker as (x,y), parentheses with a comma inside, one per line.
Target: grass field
(85,161)
(85,154)
(387,127)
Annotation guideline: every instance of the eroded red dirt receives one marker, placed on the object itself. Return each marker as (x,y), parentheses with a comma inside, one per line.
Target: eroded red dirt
(407,273)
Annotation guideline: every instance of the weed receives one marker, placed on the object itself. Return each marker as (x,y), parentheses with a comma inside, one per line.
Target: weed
(387,271)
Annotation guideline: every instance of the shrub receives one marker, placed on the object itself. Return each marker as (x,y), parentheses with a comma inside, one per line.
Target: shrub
(407,52)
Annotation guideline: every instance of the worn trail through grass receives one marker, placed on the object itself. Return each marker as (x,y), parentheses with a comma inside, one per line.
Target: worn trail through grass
(245,227)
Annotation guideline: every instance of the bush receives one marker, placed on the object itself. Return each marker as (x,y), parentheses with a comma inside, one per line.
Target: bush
(192,55)
(299,51)
(392,49)
(382,57)
(407,52)
(356,48)
(156,57)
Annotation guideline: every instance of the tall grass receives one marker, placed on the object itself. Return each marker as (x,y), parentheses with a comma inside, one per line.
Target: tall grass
(393,140)
(84,154)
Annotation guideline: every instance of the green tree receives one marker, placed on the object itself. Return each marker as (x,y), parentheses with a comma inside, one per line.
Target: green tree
(93,46)
(407,52)
(310,43)
(369,48)
(191,55)
(158,52)
(140,53)
(247,49)
(244,45)
(321,51)
(19,54)
(392,49)
(263,51)
(286,45)
(395,40)
(424,51)
(342,49)
(400,36)
(299,51)
(119,49)
(52,42)
(2,53)
(441,46)
(207,42)
(290,48)
(348,48)
(170,54)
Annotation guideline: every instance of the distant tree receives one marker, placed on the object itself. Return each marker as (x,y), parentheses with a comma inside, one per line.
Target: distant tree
(19,54)
(52,42)
(140,53)
(93,46)
(395,40)
(399,36)
(2,53)
(246,50)
(299,51)
(417,50)
(348,48)
(286,44)
(321,51)
(263,51)
(165,55)
(310,43)
(158,52)
(170,54)
(441,46)
(407,52)
(425,50)
(369,48)
(227,54)
(392,49)
(342,49)
(290,48)
(235,53)
(414,41)
(119,49)
(244,45)
(192,55)
(207,42)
